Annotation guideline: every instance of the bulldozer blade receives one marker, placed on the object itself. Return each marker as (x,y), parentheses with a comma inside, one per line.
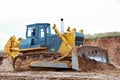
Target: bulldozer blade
(91,52)
(75,60)
(57,64)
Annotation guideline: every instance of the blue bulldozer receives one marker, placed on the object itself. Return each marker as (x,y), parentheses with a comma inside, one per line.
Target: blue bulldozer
(42,49)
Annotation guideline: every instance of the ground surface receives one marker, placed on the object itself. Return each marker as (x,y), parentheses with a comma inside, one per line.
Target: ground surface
(60,75)
(52,75)
(7,73)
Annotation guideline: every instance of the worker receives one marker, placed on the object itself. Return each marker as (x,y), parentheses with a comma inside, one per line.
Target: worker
(33,32)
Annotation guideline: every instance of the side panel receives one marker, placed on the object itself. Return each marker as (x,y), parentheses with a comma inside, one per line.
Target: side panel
(53,43)
(26,43)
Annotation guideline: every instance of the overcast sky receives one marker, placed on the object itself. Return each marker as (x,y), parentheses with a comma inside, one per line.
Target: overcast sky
(93,16)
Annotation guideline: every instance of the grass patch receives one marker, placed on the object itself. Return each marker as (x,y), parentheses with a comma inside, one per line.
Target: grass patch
(102,35)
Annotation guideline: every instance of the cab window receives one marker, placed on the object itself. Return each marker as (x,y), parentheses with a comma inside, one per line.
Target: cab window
(31,32)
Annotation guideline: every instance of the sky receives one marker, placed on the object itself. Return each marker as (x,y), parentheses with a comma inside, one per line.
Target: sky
(93,16)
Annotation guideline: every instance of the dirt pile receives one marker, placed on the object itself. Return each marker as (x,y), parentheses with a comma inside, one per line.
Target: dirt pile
(6,65)
(87,64)
(111,44)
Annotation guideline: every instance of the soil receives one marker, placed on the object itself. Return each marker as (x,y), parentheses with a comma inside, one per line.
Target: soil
(60,75)
(87,64)
(111,44)
(6,65)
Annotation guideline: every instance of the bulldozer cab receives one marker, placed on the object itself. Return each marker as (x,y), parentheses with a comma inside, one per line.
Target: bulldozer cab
(36,35)
(38,30)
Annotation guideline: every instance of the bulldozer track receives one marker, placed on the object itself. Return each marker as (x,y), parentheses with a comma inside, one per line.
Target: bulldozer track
(22,62)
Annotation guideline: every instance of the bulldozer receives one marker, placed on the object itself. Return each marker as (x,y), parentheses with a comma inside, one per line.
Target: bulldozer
(42,49)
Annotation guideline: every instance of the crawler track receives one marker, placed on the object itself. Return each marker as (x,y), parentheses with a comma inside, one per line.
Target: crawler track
(22,62)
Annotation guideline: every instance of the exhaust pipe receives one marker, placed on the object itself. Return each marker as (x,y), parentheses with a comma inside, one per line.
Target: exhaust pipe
(62,25)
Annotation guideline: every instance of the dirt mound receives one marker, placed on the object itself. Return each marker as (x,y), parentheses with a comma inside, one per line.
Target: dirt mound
(111,44)
(6,65)
(87,64)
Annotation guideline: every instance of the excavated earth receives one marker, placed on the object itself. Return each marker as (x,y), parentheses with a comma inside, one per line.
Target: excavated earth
(91,69)
(111,44)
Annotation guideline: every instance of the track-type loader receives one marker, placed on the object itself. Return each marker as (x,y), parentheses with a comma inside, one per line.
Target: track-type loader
(41,49)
